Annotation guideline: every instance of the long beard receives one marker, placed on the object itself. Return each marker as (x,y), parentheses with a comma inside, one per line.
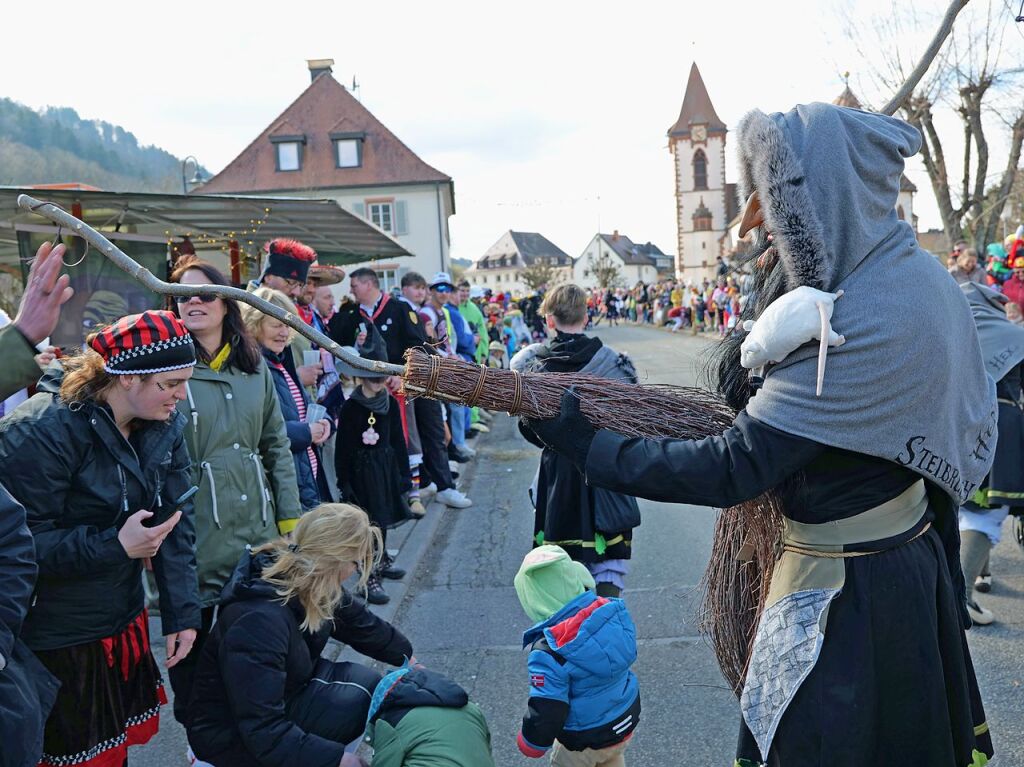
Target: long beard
(724,371)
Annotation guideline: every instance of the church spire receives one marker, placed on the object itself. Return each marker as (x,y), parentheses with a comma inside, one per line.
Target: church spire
(697,107)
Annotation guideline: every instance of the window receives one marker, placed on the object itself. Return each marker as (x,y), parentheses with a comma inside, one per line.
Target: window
(288,155)
(387,279)
(348,149)
(382,216)
(700,170)
(347,153)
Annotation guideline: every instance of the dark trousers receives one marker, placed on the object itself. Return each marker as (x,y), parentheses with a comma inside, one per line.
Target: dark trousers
(184,671)
(335,702)
(435,454)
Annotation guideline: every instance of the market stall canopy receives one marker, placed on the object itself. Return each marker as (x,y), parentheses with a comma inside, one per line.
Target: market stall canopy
(337,235)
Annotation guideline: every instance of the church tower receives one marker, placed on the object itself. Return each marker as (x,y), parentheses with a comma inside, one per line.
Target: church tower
(697,144)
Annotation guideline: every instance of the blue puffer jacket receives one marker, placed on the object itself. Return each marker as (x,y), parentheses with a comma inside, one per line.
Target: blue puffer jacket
(582,691)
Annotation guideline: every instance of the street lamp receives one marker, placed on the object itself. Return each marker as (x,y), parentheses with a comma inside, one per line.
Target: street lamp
(197,175)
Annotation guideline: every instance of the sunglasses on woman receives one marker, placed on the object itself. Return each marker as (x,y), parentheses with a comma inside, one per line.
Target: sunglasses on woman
(206,298)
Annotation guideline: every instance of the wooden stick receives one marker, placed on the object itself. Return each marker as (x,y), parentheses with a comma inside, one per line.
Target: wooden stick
(926,61)
(79,228)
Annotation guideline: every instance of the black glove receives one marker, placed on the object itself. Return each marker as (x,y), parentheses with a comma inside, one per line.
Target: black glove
(569,433)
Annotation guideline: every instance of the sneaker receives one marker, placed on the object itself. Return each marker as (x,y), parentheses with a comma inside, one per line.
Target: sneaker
(417,509)
(979,615)
(983,584)
(375,593)
(461,454)
(480,427)
(453,499)
(428,490)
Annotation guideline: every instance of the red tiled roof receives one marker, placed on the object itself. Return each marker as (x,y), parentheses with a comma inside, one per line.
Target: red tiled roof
(697,107)
(325,107)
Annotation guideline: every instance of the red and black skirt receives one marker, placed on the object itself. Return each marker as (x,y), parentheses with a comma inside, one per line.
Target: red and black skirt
(110,697)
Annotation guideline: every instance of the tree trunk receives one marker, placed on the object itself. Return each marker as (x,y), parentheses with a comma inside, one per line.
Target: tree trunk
(988,227)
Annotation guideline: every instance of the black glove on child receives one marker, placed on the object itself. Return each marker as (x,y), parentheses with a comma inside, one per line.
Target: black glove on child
(569,433)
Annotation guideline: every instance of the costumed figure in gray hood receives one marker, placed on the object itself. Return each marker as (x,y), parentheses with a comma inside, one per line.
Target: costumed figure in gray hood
(859,656)
(1002,492)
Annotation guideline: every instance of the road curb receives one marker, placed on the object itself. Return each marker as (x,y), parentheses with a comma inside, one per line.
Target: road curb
(411,554)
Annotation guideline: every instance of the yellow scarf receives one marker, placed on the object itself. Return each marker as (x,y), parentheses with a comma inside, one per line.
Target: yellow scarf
(222,356)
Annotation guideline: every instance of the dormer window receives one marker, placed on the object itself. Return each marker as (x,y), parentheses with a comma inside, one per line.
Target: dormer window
(288,151)
(348,149)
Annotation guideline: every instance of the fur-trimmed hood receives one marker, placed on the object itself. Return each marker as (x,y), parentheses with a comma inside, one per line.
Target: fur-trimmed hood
(827,178)
(909,384)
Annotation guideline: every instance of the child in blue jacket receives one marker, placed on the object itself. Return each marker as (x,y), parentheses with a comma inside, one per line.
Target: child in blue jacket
(584,700)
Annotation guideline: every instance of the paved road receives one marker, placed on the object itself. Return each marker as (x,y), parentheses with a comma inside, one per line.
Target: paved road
(464,619)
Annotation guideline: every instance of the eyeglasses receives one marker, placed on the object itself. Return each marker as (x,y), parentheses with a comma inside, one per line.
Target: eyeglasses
(206,298)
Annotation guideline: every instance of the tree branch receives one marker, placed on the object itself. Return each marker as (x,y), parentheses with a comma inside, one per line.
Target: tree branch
(926,61)
(80,229)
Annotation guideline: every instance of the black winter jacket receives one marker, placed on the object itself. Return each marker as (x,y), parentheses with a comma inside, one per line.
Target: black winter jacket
(590,523)
(79,480)
(257,658)
(312,488)
(27,689)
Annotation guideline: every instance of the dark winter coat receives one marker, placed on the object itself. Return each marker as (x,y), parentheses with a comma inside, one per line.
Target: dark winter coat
(426,720)
(257,659)
(590,523)
(312,487)
(398,323)
(79,480)
(374,477)
(27,689)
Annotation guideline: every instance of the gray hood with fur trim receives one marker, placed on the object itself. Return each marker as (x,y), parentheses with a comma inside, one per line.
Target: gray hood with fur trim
(909,385)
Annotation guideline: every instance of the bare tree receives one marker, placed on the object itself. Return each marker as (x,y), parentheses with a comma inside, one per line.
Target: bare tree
(976,78)
(540,274)
(604,270)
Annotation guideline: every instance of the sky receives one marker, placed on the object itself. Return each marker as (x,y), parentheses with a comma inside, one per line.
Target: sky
(549,116)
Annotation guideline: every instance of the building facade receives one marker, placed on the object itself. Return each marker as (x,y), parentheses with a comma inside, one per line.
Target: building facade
(517,256)
(705,203)
(326,144)
(616,261)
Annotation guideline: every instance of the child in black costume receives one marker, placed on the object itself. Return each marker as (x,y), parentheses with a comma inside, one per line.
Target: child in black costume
(372,461)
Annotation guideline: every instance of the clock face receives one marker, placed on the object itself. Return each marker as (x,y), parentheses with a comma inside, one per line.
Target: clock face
(699,132)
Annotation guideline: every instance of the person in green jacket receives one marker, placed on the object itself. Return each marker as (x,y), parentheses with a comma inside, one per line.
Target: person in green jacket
(418,718)
(241,457)
(478,326)
(45,292)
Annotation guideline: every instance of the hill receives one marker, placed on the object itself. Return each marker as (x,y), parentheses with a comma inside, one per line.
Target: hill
(55,145)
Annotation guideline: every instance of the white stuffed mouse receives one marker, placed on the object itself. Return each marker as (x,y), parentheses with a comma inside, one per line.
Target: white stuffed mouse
(790,321)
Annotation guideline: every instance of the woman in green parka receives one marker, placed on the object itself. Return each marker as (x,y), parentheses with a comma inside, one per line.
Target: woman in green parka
(241,458)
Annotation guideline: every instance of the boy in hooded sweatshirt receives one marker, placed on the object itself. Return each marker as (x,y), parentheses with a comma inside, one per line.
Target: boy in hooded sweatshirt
(584,700)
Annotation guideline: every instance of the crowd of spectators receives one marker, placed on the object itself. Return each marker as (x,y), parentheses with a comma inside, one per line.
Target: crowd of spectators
(1001,268)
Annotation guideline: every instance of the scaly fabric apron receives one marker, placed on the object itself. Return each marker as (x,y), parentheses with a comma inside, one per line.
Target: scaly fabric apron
(809,574)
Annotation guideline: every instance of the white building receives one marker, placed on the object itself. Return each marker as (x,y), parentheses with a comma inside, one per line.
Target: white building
(328,145)
(707,207)
(705,203)
(616,251)
(502,267)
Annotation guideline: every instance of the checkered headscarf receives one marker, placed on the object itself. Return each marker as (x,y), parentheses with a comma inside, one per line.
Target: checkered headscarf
(151,342)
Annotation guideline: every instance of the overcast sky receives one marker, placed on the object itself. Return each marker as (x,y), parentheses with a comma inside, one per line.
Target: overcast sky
(550,116)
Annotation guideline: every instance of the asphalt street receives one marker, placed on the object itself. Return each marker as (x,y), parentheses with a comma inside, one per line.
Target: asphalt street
(460,610)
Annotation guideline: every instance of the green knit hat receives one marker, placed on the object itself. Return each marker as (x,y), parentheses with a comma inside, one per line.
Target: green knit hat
(548,580)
